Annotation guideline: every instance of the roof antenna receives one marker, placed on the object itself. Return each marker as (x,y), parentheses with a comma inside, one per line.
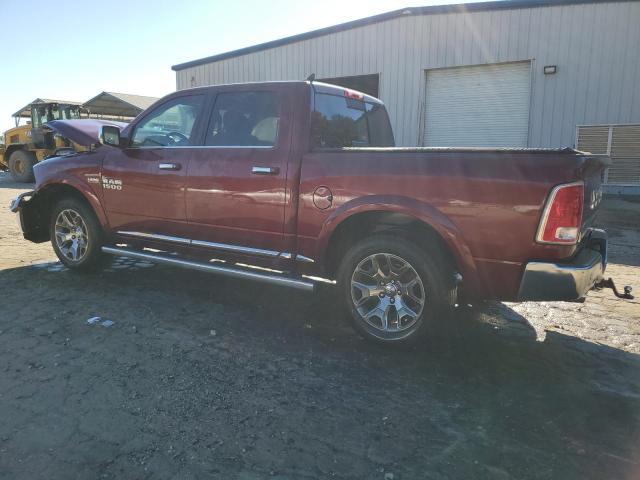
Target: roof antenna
(311,78)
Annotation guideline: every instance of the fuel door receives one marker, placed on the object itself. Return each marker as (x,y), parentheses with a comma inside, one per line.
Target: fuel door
(322,197)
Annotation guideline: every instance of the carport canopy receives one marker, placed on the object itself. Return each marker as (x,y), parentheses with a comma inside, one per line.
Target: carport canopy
(25,112)
(121,105)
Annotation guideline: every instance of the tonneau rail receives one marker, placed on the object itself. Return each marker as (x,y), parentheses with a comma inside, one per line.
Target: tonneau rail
(565,150)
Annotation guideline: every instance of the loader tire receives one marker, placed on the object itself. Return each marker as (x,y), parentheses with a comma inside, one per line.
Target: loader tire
(21,164)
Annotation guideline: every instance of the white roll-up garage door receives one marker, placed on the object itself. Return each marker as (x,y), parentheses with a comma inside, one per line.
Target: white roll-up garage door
(480,106)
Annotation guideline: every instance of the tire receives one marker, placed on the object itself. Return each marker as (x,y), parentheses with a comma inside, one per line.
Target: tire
(408,276)
(21,164)
(76,235)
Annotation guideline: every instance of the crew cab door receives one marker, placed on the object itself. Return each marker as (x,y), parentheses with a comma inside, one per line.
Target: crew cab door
(236,191)
(144,184)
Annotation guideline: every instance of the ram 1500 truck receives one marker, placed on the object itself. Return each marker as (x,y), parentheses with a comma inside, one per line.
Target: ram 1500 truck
(302,179)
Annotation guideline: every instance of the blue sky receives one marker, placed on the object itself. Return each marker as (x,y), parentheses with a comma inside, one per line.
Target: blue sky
(73,50)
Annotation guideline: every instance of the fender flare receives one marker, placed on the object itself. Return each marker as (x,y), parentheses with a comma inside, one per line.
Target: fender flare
(90,196)
(421,211)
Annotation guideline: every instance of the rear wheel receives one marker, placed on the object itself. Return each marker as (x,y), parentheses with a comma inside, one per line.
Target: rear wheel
(394,290)
(21,164)
(76,235)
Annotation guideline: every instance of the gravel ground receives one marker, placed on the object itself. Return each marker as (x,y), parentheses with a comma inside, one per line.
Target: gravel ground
(203,377)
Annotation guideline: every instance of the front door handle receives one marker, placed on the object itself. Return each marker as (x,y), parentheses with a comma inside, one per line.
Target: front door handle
(265,170)
(169,166)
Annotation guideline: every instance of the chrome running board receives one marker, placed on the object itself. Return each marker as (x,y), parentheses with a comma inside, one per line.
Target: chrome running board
(273,279)
(225,247)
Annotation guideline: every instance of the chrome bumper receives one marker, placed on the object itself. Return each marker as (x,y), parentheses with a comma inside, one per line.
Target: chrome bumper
(17,202)
(569,281)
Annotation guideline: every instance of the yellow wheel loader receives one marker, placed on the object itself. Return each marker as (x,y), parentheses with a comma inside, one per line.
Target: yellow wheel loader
(25,145)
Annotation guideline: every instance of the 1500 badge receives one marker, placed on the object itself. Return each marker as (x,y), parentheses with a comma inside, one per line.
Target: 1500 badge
(111,183)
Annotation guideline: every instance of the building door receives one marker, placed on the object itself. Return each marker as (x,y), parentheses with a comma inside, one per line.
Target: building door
(479,106)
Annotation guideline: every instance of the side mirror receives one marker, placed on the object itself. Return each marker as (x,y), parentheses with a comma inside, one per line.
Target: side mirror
(109,135)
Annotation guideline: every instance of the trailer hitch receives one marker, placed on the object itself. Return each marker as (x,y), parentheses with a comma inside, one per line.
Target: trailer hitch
(608,283)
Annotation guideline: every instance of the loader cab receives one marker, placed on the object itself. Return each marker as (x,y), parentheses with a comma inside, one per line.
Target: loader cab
(42,113)
(45,112)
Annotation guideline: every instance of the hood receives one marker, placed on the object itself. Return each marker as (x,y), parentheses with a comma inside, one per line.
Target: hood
(84,131)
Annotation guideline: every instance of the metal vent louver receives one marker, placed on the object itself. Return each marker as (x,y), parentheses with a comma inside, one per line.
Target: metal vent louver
(621,143)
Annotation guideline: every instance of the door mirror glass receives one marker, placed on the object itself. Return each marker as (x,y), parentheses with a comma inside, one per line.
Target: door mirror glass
(110,135)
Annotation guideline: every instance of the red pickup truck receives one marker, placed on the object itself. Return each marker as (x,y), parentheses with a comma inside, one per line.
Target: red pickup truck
(301,181)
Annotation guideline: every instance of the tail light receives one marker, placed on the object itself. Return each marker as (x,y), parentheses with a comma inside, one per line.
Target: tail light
(562,216)
(353,94)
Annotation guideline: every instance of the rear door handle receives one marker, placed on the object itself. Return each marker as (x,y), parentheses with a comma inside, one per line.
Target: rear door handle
(265,170)
(169,166)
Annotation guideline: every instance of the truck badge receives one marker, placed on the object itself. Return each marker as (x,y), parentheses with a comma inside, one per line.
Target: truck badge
(111,183)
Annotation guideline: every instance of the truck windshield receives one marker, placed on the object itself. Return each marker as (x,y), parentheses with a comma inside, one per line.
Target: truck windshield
(339,122)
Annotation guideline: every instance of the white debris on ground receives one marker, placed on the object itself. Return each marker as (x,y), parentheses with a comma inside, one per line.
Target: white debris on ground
(104,323)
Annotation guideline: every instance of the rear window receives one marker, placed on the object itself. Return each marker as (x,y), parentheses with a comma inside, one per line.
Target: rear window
(339,122)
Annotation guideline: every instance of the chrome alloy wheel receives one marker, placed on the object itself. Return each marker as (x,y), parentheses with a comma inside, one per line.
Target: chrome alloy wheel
(71,235)
(387,292)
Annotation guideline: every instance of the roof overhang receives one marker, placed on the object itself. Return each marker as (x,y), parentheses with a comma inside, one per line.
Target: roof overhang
(25,112)
(430,10)
(118,104)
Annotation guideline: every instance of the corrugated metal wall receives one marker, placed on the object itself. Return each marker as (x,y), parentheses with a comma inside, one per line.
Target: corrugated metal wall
(595,47)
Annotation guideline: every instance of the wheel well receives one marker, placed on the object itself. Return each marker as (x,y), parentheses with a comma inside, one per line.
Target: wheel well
(12,148)
(361,225)
(37,214)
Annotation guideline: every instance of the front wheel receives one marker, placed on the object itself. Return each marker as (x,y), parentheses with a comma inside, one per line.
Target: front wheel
(394,290)
(76,235)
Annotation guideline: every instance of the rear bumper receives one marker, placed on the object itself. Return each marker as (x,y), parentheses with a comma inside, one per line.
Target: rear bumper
(567,281)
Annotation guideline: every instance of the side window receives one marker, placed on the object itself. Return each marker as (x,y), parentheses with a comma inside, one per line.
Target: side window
(170,125)
(244,119)
(339,122)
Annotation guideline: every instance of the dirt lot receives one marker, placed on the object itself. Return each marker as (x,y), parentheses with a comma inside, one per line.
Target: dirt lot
(202,377)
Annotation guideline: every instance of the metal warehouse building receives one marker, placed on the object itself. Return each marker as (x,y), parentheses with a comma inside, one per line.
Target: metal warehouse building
(530,73)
